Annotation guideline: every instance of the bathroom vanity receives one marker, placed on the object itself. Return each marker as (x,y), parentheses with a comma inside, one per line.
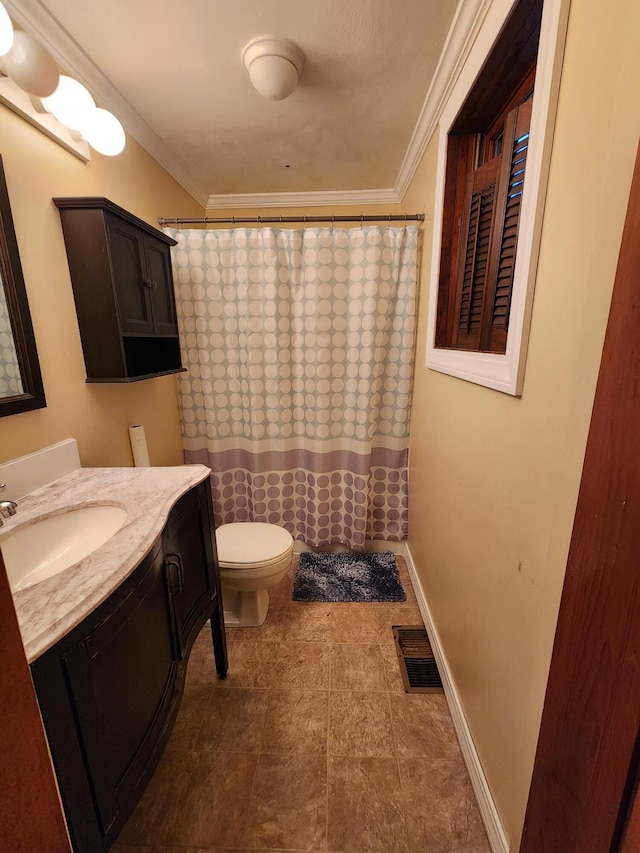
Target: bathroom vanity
(109,638)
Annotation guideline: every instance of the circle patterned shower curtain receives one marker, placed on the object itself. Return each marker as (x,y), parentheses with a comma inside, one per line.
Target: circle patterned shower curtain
(299,345)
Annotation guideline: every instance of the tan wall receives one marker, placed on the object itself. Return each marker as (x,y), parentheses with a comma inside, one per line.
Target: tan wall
(494,480)
(37,170)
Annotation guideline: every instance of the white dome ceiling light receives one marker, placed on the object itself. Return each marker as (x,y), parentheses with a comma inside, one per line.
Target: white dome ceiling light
(274,65)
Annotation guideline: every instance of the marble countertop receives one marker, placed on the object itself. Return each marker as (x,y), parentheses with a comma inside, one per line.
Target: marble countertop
(51,608)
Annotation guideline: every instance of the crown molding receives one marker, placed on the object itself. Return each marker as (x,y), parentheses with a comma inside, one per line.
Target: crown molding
(308,199)
(465,26)
(34,18)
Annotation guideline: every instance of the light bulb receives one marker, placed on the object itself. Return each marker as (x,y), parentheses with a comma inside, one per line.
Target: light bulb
(30,66)
(6,31)
(71,104)
(104,132)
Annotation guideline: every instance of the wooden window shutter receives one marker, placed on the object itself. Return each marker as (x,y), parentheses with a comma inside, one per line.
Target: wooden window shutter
(474,253)
(503,255)
(488,241)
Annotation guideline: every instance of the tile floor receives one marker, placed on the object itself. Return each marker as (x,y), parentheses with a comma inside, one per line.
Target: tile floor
(309,744)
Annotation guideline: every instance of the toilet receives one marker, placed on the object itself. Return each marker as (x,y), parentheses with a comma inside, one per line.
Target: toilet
(253,556)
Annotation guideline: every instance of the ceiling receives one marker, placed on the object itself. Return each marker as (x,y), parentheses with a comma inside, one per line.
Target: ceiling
(173,74)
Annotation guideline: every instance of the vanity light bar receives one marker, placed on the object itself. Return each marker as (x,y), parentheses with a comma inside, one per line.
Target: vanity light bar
(32,86)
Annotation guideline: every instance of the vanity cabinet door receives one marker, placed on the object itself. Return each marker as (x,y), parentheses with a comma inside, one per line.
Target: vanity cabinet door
(121,677)
(190,561)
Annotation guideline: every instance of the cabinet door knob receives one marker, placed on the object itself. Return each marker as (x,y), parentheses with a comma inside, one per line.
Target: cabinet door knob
(154,283)
(147,283)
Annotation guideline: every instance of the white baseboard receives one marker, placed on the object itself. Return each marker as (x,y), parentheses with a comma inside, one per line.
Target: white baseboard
(488,811)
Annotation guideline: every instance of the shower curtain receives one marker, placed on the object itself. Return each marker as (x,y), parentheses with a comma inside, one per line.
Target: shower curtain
(299,345)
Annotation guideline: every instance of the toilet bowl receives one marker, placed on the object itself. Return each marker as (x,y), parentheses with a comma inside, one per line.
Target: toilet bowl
(253,556)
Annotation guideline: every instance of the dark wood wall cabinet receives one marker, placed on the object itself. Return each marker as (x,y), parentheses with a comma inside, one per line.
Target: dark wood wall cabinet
(109,691)
(123,289)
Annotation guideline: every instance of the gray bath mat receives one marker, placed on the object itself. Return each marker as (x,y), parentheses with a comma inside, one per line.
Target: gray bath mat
(347,576)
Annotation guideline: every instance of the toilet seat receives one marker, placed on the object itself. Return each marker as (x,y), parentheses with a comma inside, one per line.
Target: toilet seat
(245,545)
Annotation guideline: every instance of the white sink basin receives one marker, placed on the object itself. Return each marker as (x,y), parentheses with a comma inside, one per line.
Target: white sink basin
(44,548)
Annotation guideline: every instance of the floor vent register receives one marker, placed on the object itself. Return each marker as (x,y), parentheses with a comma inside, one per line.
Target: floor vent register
(417,663)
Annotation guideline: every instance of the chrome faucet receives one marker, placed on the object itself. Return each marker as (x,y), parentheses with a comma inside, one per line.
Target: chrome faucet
(7,508)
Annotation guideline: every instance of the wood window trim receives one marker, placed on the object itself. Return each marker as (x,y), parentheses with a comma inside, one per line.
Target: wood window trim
(502,372)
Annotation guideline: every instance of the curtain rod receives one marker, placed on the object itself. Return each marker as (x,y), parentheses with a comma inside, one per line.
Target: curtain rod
(282,220)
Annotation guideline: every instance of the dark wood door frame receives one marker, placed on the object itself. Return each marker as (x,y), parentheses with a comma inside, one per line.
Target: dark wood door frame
(586,765)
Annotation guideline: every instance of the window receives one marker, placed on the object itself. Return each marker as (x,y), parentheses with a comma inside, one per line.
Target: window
(493,154)
(480,274)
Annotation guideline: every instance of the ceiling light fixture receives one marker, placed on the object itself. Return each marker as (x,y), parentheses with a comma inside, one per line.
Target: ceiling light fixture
(61,107)
(274,65)
(6,31)
(30,66)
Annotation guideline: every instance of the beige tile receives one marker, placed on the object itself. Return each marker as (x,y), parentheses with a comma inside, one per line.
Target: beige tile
(201,667)
(307,621)
(270,631)
(442,814)
(203,850)
(301,665)
(251,664)
(214,811)
(360,724)
(192,712)
(296,722)
(366,813)
(407,586)
(234,720)
(357,666)
(423,727)
(389,615)
(282,593)
(391,665)
(354,623)
(288,803)
(159,808)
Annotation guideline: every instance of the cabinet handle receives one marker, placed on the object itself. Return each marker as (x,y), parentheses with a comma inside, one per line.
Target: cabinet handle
(175,561)
(147,283)
(154,283)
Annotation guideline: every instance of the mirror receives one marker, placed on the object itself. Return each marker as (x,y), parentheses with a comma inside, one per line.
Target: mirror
(21,387)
